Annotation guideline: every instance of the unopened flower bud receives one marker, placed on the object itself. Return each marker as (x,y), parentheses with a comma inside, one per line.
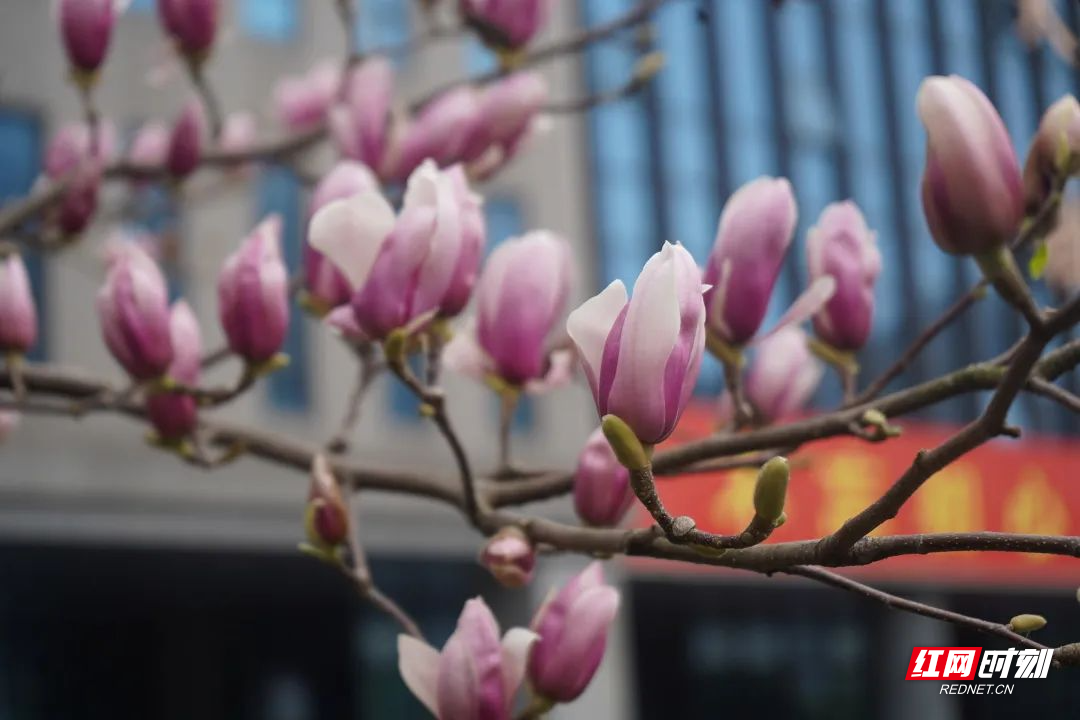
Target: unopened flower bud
(972,191)
(770,492)
(86,26)
(133,307)
(187,140)
(573,628)
(18,315)
(173,414)
(602,492)
(192,24)
(510,556)
(624,443)
(1054,153)
(253,294)
(326,519)
(1027,623)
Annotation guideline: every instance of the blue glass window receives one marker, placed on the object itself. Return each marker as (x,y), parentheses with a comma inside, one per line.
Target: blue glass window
(280,192)
(383,24)
(275,20)
(20,156)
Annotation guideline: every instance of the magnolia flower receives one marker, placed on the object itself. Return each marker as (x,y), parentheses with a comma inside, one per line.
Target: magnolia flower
(602,492)
(175,415)
(192,24)
(972,192)
(642,357)
(360,125)
(756,228)
(253,294)
(443,130)
(510,557)
(782,377)
(303,102)
(572,627)
(505,23)
(842,247)
(520,297)
(187,140)
(18,315)
(133,307)
(508,114)
(325,286)
(410,268)
(1054,151)
(476,676)
(85,27)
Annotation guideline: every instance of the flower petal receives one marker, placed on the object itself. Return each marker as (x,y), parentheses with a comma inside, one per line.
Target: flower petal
(418,664)
(516,644)
(809,302)
(589,325)
(350,233)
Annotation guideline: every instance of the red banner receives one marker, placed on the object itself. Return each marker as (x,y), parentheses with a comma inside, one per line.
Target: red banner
(1020,486)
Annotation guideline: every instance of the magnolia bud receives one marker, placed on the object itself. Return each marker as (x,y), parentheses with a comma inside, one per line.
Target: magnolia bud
(187,140)
(624,443)
(842,247)
(972,191)
(573,628)
(756,228)
(85,26)
(602,492)
(192,24)
(253,294)
(18,315)
(770,492)
(1054,153)
(326,519)
(133,307)
(510,556)
(175,415)
(505,24)
(1027,623)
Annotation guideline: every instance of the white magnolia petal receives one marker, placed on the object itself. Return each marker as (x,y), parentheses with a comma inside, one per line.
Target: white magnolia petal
(350,232)
(464,355)
(589,325)
(516,644)
(805,306)
(120,6)
(423,185)
(418,664)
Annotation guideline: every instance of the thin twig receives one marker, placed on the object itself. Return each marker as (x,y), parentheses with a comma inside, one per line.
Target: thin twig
(984,626)
(360,574)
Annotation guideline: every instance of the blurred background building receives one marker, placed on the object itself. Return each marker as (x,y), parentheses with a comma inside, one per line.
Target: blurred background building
(134,586)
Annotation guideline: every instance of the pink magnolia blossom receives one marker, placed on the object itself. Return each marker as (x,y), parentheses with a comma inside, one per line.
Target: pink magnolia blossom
(642,357)
(972,191)
(475,676)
